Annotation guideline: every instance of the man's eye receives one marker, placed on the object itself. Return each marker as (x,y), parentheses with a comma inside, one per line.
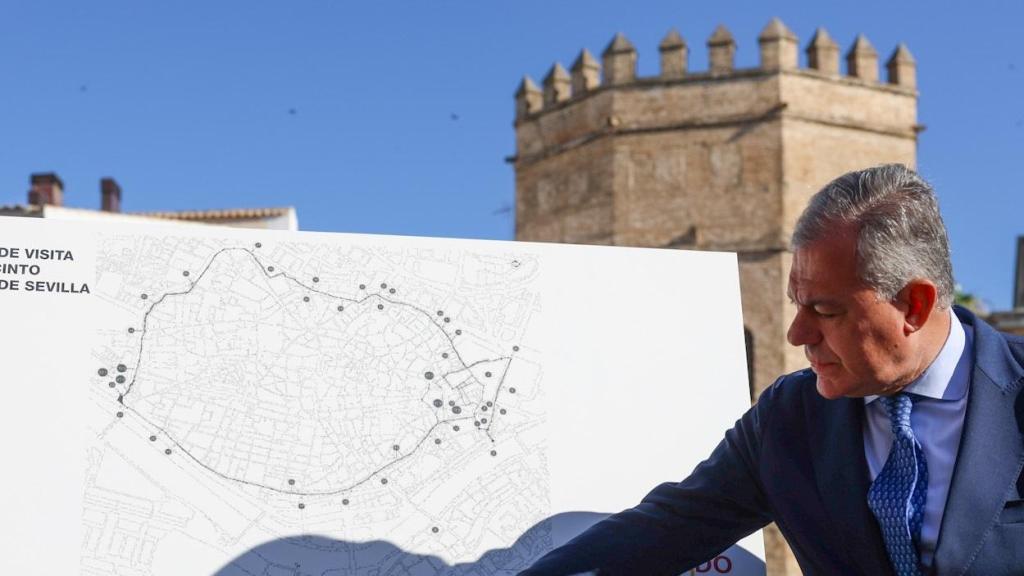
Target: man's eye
(825,312)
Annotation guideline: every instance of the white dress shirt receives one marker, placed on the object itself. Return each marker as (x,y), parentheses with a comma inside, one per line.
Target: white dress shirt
(937,420)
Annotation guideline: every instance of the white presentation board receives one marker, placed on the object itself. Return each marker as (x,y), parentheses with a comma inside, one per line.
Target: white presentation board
(202,400)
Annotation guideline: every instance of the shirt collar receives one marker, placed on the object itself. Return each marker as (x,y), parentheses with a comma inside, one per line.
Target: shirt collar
(946,378)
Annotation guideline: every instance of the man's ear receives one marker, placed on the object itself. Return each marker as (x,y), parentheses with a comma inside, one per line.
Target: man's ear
(917,302)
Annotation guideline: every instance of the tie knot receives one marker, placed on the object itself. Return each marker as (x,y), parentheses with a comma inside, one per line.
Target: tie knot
(898,406)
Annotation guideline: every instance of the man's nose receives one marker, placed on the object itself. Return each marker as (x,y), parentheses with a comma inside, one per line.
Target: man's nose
(802,331)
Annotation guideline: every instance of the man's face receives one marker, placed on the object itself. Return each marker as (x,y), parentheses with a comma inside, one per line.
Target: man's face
(855,342)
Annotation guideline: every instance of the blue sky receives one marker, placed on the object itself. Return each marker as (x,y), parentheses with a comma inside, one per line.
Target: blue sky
(396,117)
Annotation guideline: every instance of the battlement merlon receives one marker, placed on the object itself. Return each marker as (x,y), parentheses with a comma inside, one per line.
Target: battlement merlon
(674,55)
(778,55)
(778,46)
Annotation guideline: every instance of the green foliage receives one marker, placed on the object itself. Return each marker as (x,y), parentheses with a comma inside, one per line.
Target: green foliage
(969,301)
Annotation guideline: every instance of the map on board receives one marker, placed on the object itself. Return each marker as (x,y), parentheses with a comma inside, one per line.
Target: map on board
(196,400)
(310,390)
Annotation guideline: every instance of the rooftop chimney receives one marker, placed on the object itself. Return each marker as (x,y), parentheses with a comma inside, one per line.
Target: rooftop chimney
(110,195)
(47,188)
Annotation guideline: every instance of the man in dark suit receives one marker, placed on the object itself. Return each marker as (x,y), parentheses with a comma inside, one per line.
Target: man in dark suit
(899,451)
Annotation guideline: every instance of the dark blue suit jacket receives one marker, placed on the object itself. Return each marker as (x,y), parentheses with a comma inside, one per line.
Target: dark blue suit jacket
(797,459)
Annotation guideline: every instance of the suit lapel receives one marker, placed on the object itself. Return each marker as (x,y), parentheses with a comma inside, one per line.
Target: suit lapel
(841,473)
(990,455)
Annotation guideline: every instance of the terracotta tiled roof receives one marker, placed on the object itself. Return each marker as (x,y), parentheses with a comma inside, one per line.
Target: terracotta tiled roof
(213,215)
(21,209)
(187,215)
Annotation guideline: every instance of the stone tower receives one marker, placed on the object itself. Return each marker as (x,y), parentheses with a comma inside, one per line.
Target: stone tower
(722,159)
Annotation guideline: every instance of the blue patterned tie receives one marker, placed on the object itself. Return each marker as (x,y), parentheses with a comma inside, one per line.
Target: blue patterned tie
(898,493)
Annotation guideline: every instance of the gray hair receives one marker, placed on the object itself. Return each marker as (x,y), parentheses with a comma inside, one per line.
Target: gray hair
(901,236)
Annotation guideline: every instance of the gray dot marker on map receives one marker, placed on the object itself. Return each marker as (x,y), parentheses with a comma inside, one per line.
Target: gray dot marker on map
(458,332)
(301,506)
(102,372)
(111,384)
(259,245)
(362,286)
(440,312)
(457,410)
(487,374)
(483,420)
(444,355)
(167,451)
(344,501)
(437,440)
(451,402)
(512,390)
(291,481)
(391,291)
(383,480)
(395,447)
(447,319)
(456,428)
(121,367)
(119,379)
(120,414)
(270,268)
(435,530)
(305,298)
(429,375)
(383,285)
(144,296)
(131,330)
(494,452)
(483,408)
(340,308)
(152,438)
(515,348)
(476,423)
(490,403)
(185,273)
(380,306)
(316,278)
(503,411)
(438,403)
